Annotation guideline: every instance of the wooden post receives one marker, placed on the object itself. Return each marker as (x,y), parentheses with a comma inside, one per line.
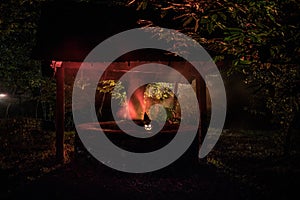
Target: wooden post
(201,96)
(60,114)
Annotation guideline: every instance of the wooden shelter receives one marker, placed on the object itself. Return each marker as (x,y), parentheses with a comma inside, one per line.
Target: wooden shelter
(68,32)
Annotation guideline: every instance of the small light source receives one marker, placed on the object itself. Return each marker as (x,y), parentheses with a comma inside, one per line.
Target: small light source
(148,127)
(2,95)
(147,122)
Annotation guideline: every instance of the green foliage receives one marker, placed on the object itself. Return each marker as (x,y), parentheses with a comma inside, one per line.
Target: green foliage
(159,91)
(18,22)
(106,86)
(261,38)
(116,89)
(119,93)
(20,75)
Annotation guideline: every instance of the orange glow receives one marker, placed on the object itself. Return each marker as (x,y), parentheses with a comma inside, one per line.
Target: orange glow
(135,107)
(136,104)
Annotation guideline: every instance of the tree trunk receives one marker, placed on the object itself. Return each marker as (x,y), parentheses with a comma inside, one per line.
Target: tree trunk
(36,109)
(101,105)
(7,110)
(9,104)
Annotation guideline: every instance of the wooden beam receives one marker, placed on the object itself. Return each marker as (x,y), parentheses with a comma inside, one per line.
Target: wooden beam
(118,69)
(60,113)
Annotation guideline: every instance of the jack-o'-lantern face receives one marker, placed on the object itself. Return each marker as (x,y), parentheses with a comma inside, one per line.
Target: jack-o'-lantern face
(148,127)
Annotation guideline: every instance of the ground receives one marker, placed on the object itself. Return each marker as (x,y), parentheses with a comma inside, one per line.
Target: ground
(78,181)
(243,165)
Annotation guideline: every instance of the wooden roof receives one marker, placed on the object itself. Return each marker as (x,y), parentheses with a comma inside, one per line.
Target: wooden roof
(69,31)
